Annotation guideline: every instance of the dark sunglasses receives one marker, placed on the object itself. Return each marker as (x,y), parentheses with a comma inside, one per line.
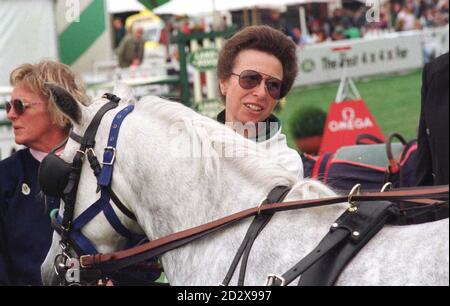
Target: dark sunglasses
(249,79)
(19,106)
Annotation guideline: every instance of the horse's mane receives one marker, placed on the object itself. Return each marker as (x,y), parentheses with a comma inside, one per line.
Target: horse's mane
(216,141)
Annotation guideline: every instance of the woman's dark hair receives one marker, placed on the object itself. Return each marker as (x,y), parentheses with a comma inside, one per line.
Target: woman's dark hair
(265,39)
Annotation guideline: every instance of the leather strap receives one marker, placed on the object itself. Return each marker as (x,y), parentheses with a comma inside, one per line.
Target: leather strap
(88,140)
(259,222)
(350,232)
(70,192)
(159,246)
(93,161)
(109,155)
(432,211)
(394,166)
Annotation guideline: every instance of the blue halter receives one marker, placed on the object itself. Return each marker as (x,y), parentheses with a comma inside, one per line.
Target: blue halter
(104,203)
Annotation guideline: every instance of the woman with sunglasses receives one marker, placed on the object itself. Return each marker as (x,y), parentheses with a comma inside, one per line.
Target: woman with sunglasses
(25,231)
(256,68)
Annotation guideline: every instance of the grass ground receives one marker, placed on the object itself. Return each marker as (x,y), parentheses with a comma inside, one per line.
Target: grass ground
(393,100)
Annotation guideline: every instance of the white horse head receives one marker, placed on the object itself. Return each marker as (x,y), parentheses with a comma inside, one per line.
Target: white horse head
(176,169)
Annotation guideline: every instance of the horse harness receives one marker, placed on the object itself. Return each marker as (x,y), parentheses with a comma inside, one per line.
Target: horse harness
(58,178)
(347,235)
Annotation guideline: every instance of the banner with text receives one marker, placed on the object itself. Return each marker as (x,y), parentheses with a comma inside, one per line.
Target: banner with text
(359,57)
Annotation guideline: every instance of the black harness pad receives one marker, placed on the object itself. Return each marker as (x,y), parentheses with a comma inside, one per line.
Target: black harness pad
(360,226)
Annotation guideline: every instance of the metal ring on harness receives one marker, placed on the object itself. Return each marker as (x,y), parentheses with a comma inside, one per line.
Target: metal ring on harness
(60,263)
(355,190)
(81,152)
(387,186)
(271,280)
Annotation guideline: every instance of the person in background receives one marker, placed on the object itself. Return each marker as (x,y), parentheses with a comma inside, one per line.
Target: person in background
(405,19)
(276,21)
(299,38)
(25,231)
(433,142)
(131,49)
(119,31)
(256,68)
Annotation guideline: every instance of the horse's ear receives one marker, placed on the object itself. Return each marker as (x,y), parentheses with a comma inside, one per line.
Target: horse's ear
(65,102)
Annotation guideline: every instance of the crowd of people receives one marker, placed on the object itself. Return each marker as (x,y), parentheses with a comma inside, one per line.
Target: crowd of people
(393,16)
(343,23)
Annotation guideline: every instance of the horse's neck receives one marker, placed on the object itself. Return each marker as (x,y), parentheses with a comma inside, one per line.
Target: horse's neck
(172,193)
(179,194)
(175,186)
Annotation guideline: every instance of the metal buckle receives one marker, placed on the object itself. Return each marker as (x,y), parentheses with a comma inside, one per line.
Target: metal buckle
(271,280)
(92,151)
(355,191)
(387,186)
(60,263)
(83,153)
(113,158)
(81,261)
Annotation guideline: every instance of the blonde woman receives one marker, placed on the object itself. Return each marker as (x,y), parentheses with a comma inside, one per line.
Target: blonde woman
(25,231)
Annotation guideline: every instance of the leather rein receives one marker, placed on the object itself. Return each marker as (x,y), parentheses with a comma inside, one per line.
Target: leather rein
(423,196)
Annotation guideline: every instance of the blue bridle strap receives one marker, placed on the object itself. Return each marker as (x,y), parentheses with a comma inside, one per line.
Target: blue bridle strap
(112,218)
(109,156)
(83,244)
(101,205)
(104,203)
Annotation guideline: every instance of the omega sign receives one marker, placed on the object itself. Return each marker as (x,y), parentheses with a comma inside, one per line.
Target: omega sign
(350,122)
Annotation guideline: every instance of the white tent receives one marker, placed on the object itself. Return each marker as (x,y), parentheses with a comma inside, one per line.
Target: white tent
(198,7)
(120,6)
(28,34)
(183,7)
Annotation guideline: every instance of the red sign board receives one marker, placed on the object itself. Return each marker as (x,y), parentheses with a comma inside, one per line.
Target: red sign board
(345,121)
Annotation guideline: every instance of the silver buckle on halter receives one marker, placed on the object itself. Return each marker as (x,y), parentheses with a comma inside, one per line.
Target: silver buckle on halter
(355,191)
(60,263)
(82,259)
(271,278)
(92,152)
(113,158)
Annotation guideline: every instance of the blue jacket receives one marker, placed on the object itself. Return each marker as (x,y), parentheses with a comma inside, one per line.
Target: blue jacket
(25,231)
